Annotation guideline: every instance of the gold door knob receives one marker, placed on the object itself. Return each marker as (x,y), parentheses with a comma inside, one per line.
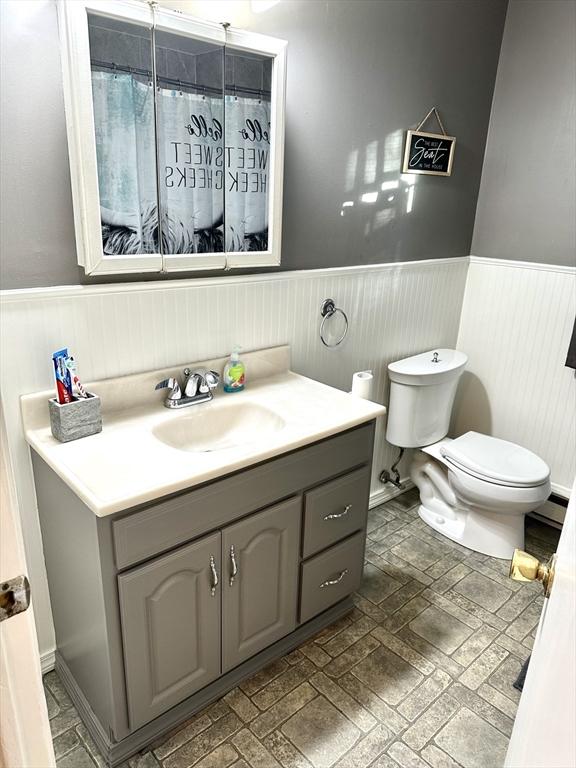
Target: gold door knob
(525,567)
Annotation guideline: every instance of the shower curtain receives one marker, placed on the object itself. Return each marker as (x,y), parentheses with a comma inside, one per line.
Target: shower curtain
(248,155)
(191,160)
(197,173)
(126,155)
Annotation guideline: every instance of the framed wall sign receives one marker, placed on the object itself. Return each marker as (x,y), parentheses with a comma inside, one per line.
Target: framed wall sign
(429,153)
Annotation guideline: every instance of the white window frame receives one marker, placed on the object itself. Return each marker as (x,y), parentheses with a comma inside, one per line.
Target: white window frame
(77,77)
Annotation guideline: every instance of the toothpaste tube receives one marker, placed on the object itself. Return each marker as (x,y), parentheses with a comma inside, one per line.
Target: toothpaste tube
(63,379)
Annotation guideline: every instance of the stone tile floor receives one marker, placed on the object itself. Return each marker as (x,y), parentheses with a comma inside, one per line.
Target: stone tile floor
(419,675)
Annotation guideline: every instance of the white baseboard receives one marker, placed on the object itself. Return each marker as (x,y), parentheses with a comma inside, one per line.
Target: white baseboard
(551,513)
(561,490)
(47,660)
(389,492)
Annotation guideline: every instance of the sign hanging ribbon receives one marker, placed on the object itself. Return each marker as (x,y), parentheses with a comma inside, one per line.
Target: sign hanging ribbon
(437,116)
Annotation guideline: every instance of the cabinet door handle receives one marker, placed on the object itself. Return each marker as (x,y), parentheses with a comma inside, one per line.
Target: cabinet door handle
(214,576)
(336,515)
(233,565)
(337,580)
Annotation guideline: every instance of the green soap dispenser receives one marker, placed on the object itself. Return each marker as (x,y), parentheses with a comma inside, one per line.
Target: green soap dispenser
(234,373)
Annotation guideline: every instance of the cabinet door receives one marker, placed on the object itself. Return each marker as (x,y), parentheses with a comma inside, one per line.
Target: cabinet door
(171,614)
(259,580)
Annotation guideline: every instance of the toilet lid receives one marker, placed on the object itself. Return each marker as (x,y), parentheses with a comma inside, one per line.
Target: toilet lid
(496,460)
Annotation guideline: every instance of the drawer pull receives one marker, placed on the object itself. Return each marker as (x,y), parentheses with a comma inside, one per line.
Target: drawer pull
(233,565)
(336,515)
(214,576)
(337,580)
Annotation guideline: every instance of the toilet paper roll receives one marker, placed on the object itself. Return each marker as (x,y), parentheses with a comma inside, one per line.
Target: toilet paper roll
(362,384)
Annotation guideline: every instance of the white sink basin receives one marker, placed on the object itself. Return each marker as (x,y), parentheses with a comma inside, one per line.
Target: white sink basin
(219,428)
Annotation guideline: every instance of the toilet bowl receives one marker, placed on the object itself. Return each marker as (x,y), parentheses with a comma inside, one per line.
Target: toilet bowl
(474,489)
(479,500)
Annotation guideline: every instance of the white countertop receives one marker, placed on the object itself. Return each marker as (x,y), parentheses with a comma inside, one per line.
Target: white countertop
(126,465)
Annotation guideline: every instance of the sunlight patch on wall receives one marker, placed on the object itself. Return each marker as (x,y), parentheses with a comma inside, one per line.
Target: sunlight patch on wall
(370,162)
(369,197)
(393,151)
(351,166)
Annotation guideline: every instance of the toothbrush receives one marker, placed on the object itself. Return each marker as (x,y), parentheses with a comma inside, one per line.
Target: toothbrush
(71,365)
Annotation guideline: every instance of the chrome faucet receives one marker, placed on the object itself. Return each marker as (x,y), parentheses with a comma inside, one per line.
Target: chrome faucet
(198,388)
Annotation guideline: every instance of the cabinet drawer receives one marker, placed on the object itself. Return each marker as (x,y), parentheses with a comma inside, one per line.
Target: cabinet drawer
(329,577)
(335,510)
(173,521)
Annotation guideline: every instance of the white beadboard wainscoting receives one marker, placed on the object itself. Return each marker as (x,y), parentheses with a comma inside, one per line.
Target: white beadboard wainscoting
(517,318)
(394,310)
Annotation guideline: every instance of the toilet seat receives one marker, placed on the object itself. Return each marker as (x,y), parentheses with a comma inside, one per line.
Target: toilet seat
(495,461)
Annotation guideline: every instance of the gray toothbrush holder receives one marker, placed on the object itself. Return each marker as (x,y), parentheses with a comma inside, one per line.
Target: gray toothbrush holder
(80,418)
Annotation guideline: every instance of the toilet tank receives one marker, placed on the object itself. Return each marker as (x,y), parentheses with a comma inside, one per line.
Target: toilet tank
(422,391)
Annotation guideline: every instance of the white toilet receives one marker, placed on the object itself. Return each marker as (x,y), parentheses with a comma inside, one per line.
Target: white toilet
(474,489)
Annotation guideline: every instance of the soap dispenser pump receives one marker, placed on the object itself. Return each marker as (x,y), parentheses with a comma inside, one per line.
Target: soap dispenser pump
(234,373)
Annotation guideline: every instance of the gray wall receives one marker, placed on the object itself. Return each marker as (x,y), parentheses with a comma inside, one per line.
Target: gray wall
(528,195)
(359,74)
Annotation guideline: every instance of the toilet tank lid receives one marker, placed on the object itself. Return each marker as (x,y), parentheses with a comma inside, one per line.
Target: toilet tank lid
(428,368)
(496,459)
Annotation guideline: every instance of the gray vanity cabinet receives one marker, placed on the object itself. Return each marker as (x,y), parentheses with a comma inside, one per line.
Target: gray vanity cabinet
(259,581)
(170,613)
(163,608)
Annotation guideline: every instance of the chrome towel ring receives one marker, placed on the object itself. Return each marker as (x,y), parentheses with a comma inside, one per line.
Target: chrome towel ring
(329,309)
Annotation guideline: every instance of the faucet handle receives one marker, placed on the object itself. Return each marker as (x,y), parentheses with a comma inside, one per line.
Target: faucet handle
(208,379)
(200,380)
(192,383)
(172,384)
(212,378)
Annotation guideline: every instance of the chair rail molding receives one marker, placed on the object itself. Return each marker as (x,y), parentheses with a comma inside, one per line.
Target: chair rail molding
(513,264)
